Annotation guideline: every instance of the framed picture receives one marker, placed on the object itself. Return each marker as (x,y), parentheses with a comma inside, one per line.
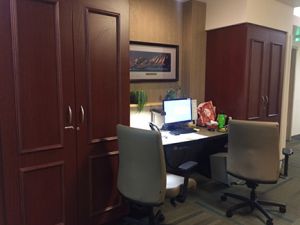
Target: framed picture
(153,62)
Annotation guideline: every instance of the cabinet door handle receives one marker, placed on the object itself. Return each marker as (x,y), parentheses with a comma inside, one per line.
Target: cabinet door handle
(267,99)
(82,113)
(69,128)
(263,99)
(70,119)
(70,115)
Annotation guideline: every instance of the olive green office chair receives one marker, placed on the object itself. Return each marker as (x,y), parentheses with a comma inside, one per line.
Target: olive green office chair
(142,177)
(253,156)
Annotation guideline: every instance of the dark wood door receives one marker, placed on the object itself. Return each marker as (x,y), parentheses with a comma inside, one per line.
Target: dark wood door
(257,70)
(256,106)
(102,101)
(265,72)
(274,77)
(38,147)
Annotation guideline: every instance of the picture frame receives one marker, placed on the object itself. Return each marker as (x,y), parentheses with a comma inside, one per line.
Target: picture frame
(153,62)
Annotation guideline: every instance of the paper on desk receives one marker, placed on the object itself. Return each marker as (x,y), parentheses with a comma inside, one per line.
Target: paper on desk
(168,138)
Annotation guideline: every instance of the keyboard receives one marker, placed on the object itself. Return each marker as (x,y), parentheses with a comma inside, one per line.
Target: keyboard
(184,130)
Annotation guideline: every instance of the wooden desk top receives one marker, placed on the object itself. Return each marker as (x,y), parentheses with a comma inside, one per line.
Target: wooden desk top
(203,133)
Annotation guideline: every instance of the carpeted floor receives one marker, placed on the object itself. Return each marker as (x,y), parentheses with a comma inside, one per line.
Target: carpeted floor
(204,206)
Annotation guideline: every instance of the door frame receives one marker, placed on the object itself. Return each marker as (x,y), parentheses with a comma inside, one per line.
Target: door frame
(291,93)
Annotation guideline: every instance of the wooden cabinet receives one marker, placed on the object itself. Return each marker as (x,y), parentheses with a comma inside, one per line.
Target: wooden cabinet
(64,85)
(244,71)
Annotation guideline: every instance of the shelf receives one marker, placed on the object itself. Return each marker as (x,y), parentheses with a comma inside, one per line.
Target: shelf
(149,104)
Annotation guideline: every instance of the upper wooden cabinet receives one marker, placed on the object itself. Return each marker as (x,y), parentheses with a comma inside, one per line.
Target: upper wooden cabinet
(64,86)
(244,71)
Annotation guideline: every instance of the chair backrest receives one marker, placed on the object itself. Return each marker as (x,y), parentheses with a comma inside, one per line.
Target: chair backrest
(142,169)
(253,150)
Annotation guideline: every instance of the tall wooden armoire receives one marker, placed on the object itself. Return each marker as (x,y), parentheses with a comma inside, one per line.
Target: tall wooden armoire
(64,86)
(244,71)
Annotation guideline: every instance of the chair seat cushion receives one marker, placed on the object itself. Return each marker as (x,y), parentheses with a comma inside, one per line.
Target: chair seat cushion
(174,182)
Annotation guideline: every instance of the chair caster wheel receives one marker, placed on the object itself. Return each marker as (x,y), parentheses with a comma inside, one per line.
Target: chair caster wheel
(229,214)
(282,209)
(269,222)
(159,216)
(223,198)
(173,202)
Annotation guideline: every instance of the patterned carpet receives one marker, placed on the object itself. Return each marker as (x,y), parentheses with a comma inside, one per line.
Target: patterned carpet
(191,212)
(204,206)
(286,191)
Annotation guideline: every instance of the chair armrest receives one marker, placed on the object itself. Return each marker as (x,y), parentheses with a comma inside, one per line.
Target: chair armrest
(187,166)
(185,169)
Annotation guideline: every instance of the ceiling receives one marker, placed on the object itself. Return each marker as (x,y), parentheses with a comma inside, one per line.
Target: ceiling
(294,3)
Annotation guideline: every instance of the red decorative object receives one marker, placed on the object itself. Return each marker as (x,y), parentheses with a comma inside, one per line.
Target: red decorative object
(206,113)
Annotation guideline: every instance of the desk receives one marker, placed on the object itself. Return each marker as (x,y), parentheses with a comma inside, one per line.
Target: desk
(202,134)
(193,146)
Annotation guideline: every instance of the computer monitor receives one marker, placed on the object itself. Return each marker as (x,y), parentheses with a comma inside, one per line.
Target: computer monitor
(177,110)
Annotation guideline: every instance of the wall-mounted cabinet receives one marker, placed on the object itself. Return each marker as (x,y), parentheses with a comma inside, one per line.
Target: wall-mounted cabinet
(244,71)
(64,86)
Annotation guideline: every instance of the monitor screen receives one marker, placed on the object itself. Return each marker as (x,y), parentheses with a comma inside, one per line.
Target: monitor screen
(178,110)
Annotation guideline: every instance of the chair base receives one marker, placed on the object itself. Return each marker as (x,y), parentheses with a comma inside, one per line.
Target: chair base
(139,213)
(253,203)
(157,218)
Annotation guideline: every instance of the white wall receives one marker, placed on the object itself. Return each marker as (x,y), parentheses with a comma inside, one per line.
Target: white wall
(140,119)
(224,13)
(270,13)
(296,103)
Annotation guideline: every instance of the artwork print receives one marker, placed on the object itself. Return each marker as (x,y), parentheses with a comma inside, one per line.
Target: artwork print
(153,62)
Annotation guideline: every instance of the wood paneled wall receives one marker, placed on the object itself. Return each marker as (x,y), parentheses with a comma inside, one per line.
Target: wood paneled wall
(156,21)
(194,49)
(163,22)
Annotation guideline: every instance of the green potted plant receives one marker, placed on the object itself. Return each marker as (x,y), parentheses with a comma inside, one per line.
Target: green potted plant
(140,98)
(171,94)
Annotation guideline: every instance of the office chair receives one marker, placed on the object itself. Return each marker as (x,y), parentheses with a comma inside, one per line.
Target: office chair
(142,177)
(182,169)
(253,156)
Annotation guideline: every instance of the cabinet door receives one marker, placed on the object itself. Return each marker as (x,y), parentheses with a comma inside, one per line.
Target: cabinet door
(257,70)
(273,91)
(265,72)
(102,101)
(38,157)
